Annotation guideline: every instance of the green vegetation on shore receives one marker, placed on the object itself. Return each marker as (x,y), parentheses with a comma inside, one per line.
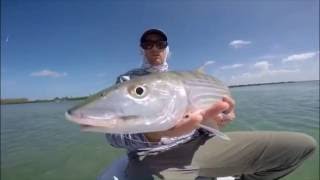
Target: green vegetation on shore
(25,100)
(14,101)
(259,84)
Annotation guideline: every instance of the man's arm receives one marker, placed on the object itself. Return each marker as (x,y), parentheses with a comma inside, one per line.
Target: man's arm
(221,113)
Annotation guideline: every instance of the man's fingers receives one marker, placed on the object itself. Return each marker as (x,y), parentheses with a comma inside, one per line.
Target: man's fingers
(215,110)
(228,117)
(231,103)
(221,113)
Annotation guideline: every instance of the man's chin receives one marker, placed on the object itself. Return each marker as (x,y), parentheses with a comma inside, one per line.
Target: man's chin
(156,62)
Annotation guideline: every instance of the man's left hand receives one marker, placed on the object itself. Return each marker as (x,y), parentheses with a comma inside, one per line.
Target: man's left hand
(226,114)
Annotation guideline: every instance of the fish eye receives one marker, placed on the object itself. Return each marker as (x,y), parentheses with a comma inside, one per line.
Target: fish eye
(139,90)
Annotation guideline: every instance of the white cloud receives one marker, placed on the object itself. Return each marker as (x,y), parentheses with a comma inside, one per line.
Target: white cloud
(300,57)
(48,73)
(208,63)
(234,66)
(239,43)
(263,76)
(268,68)
(263,73)
(269,57)
(201,68)
(262,65)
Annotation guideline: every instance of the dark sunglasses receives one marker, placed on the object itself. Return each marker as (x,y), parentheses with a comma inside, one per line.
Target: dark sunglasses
(150,44)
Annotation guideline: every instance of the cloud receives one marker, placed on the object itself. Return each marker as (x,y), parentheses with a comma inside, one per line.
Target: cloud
(209,62)
(262,65)
(263,76)
(300,57)
(269,57)
(262,73)
(206,64)
(48,73)
(268,68)
(239,43)
(257,75)
(234,66)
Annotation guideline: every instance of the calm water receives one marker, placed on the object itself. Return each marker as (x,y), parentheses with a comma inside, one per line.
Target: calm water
(38,143)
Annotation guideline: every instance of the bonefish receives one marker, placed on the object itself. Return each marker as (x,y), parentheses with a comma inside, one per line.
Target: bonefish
(150,103)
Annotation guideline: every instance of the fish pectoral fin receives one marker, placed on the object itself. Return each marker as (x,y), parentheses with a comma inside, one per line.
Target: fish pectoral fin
(201,68)
(216,132)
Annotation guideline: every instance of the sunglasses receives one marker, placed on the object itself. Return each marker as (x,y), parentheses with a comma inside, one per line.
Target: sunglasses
(149,44)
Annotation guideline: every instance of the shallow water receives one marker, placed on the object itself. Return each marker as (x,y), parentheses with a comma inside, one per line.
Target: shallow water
(38,143)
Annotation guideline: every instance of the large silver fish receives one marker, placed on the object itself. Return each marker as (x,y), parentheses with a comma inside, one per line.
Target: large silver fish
(149,103)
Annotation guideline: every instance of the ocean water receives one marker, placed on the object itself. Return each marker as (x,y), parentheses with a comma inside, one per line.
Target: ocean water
(37,143)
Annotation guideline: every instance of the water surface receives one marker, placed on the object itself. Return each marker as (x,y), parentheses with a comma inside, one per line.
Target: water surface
(37,143)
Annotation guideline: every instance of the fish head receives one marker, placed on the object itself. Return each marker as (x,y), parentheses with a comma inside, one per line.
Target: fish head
(144,104)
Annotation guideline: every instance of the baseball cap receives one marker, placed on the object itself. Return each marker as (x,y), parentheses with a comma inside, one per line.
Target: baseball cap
(153,31)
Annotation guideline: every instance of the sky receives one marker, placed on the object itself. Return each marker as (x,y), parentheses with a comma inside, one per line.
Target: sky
(78,47)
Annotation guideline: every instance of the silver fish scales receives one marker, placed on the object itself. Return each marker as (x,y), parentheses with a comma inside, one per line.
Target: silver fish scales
(149,103)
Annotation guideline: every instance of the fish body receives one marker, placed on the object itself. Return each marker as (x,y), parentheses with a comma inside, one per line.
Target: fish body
(150,103)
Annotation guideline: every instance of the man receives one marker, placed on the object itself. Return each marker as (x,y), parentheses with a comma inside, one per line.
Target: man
(187,152)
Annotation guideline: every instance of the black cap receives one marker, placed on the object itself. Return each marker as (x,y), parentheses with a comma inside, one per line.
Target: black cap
(153,31)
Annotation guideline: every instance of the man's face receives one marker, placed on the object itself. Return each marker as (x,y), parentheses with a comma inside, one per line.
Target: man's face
(155,51)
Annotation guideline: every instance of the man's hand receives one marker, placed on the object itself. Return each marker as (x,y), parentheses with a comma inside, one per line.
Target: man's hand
(221,113)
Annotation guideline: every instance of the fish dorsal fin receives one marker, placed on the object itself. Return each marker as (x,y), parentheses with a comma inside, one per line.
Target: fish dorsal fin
(201,68)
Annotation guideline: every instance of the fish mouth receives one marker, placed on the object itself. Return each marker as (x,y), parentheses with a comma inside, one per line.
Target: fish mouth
(96,121)
(87,121)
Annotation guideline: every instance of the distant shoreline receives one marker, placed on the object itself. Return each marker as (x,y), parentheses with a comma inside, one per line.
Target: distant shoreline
(25,100)
(61,99)
(272,83)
